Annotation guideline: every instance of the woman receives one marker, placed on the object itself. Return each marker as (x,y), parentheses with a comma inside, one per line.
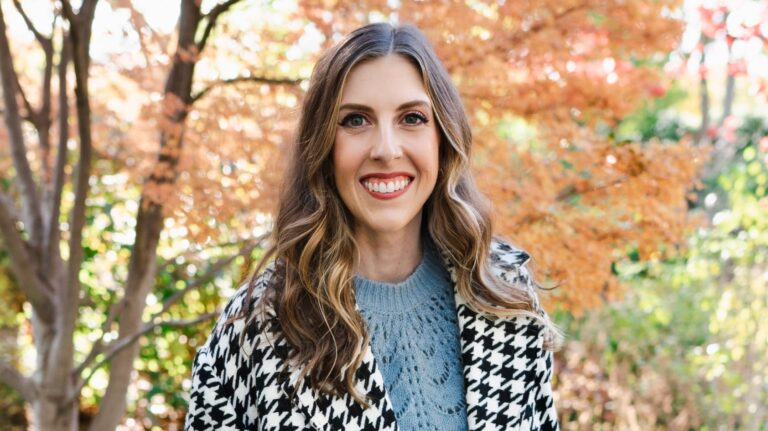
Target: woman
(388,304)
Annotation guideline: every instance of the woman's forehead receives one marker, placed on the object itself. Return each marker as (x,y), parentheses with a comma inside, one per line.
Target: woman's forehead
(384,81)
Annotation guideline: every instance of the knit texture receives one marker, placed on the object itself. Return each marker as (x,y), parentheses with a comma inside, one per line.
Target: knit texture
(415,340)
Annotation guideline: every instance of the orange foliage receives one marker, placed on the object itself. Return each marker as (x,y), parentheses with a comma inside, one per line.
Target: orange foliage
(537,79)
(575,199)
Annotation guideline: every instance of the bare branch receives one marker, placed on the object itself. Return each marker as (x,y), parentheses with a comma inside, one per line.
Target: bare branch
(40,118)
(30,25)
(98,346)
(571,190)
(215,268)
(61,156)
(31,114)
(23,385)
(10,87)
(210,273)
(213,16)
(123,343)
(187,254)
(79,34)
(23,266)
(69,13)
(499,46)
(256,79)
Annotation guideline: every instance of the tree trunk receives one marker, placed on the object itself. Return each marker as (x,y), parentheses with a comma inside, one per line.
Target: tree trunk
(49,283)
(703,96)
(140,278)
(141,270)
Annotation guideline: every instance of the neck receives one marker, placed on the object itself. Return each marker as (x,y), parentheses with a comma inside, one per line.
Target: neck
(388,257)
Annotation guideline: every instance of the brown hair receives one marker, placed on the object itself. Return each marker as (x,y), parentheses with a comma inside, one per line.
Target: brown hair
(312,290)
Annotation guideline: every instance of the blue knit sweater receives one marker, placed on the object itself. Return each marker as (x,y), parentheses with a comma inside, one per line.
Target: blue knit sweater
(415,340)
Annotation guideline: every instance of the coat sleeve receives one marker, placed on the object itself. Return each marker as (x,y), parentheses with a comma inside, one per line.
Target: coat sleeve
(209,408)
(545,402)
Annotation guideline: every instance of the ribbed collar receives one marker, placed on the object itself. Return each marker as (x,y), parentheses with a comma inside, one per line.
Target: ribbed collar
(428,278)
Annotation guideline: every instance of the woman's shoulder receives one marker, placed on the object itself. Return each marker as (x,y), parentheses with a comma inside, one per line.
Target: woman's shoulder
(243,324)
(505,255)
(241,298)
(510,262)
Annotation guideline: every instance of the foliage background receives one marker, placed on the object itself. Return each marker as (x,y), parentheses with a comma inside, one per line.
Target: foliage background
(598,158)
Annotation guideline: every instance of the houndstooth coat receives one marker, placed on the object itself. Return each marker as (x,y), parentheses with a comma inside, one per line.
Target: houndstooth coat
(507,373)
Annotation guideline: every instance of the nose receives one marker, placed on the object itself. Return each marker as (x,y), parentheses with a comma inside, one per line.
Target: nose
(386,145)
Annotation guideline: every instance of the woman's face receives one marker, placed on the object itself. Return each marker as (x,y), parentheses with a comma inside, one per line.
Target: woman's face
(386,151)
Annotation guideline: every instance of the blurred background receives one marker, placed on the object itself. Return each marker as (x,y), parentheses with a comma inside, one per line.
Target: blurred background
(624,145)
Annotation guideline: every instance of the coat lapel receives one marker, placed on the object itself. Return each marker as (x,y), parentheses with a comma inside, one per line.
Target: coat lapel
(326,413)
(496,353)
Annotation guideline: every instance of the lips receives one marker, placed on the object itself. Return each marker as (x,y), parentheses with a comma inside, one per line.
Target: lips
(385,186)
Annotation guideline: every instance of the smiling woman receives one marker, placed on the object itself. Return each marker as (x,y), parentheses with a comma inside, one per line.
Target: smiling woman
(386,147)
(386,302)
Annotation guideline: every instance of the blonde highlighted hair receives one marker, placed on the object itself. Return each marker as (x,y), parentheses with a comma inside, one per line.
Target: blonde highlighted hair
(312,290)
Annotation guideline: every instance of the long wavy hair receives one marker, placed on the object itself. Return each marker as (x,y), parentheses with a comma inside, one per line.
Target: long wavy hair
(311,289)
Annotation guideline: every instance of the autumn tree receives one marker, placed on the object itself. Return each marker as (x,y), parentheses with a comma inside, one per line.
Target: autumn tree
(45,239)
(545,83)
(735,28)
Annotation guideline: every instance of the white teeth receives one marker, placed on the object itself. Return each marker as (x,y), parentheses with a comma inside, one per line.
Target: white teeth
(388,187)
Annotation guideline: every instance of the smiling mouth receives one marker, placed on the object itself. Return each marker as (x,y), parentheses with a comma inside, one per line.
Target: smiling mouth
(386,188)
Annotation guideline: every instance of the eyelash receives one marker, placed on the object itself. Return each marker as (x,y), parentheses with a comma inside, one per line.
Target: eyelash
(345,122)
(419,115)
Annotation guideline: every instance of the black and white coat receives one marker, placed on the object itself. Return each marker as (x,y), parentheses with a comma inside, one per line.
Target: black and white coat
(507,373)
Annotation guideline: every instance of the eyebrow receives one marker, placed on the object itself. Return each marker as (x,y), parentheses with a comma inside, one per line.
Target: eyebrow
(366,108)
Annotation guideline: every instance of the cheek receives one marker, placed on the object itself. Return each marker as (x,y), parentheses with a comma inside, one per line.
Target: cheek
(431,156)
(345,161)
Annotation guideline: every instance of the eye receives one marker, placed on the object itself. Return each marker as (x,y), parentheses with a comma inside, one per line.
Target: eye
(353,121)
(415,118)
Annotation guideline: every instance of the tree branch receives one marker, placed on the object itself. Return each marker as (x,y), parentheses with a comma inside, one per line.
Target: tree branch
(80,27)
(258,79)
(211,273)
(499,48)
(98,346)
(59,175)
(31,114)
(571,190)
(213,16)
(41,118)
(123,343)
(186,255)
(23,385)
(10,80)
(214,269)
(22,264)
(68,12)
(701,134)
(30,25)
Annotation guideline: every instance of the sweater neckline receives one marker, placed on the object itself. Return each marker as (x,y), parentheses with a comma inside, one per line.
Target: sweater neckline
(427,279)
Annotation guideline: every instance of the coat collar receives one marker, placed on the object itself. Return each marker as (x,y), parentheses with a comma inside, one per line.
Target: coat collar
(494,357)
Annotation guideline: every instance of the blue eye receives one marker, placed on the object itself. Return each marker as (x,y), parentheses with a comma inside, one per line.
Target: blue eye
(415,119)
(353,120)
